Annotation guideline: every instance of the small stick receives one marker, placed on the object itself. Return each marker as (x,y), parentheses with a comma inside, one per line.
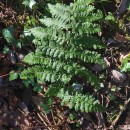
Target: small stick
(101,121)
(4,75)
(120,113)
(53,117)
(34,127)
(45,117)
(42,121)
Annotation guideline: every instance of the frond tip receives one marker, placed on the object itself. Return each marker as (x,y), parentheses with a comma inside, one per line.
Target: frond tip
(85,103)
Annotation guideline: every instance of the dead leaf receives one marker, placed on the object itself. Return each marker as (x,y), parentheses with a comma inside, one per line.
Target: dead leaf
(120,38)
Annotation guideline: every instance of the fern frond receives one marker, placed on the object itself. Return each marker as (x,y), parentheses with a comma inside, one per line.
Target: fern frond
(85,103)
(61,68)
(64,43)
(38,32)
(58,9)
(84,2)
(57,23)
(85,41)
(65,50)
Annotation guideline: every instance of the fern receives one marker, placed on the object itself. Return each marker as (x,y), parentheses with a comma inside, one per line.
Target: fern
(85,103)
(65,50)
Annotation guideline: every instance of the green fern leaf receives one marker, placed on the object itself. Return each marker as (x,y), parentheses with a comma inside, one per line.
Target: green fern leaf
(66,47)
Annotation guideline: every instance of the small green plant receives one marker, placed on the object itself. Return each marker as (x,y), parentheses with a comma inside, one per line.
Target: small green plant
(66,48)
(110,17)
(9,35)
(125,65)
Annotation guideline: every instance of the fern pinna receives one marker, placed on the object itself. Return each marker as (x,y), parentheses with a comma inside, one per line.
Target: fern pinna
(65,47)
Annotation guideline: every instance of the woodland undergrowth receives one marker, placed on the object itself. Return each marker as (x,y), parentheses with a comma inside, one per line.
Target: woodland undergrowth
(75,53)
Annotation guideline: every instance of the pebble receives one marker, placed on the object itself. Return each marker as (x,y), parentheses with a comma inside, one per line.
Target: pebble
(118,77)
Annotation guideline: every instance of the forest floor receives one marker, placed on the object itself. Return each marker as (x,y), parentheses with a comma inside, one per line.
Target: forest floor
(20,107)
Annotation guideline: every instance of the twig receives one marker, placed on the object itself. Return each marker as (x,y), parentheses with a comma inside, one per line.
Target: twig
(7,74)
(45,117)
(103,9)
(68,126)
(42,121)
(53,117)
(47,126)
(120,113)
(4,75)
(34,127)
(101,121)
(41,94)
